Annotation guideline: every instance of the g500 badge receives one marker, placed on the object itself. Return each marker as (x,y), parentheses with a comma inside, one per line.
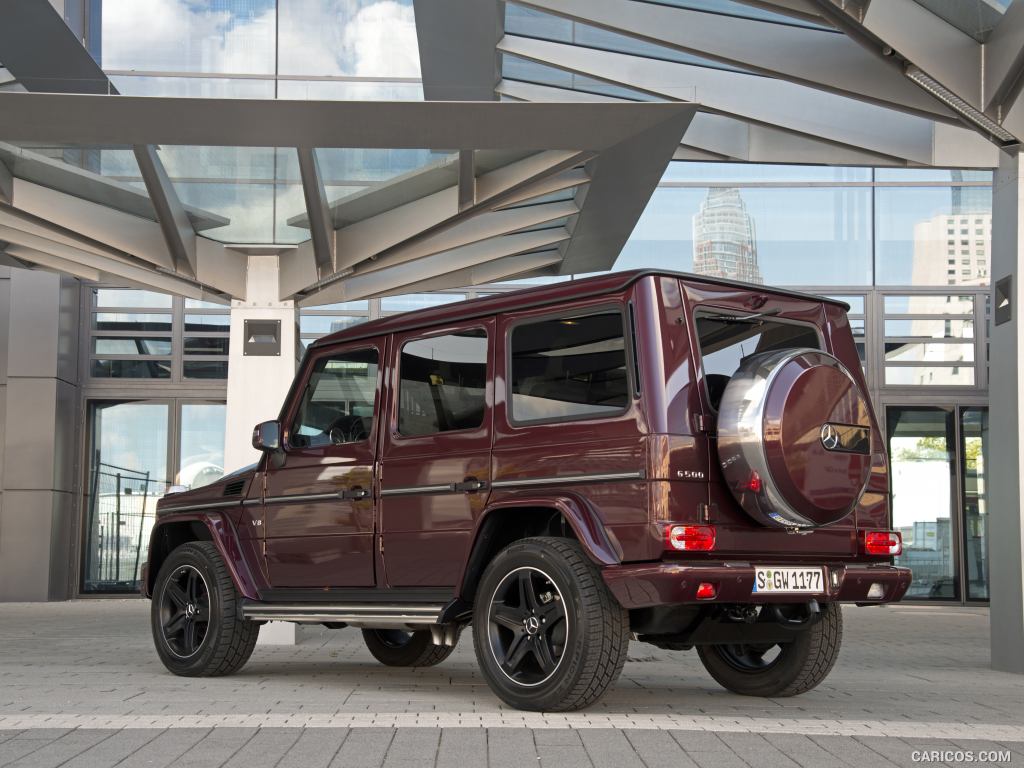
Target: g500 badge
(690,474)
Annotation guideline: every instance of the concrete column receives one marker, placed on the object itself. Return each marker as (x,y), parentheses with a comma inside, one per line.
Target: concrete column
(257,385)
(39,434)
(1006,396)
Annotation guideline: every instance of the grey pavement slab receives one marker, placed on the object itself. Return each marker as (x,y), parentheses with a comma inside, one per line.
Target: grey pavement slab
(80,686)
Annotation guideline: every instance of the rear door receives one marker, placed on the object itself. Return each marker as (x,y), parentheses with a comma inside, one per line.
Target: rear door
(435,472)
(319,503)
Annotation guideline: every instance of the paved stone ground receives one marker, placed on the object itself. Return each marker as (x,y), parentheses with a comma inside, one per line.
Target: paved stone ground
(80,685)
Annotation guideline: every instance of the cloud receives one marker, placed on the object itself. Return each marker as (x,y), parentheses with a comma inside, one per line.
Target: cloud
(375,38)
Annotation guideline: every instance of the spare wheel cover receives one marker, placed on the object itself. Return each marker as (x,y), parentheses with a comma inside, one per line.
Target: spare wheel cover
(796,423)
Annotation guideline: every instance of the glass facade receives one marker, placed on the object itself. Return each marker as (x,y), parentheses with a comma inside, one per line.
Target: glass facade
(908,249)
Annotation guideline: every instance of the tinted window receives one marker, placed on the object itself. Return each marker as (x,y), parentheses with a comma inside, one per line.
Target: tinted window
(569,367)
(443,381)
(725,343)
(337,406)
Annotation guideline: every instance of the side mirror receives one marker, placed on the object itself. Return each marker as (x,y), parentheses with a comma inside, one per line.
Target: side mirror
(267,436)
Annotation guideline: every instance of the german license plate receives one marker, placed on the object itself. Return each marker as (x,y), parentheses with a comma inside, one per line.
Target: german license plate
(780,580)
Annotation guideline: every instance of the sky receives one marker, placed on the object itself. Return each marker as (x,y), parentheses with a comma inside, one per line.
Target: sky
(316,37)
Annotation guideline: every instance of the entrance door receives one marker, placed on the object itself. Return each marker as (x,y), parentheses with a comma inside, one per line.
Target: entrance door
(937,478)
(319,506)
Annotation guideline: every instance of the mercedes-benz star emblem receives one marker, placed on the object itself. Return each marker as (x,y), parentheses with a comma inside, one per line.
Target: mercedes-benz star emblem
(532,625)
(829,437)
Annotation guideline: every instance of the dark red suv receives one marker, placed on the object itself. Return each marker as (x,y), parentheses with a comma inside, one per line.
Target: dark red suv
(690,462)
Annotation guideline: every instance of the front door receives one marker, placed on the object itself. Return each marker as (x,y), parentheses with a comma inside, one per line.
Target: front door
(436,458)
(319,491)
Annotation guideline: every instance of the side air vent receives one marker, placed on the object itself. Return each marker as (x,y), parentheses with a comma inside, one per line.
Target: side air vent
(234,488)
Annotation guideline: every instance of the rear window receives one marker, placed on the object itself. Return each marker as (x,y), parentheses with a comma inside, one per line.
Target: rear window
(725,340)
(443,383)
(569,367)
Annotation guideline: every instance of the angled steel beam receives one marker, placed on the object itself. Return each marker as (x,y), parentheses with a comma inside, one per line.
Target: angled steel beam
(469,70)
(823,59)
(170,213)
(763,100)
(129,120)
(55,263)
(318,210)
(467,179)
(6,184)
(42,52)
(1004,59)
(367,238)
(575,177)
(391,281)
(950,56)
(122,268)
(120,231)
(473,230)
(508,268)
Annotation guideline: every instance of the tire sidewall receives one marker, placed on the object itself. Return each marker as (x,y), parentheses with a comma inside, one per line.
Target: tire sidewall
(547,694)
(200,560)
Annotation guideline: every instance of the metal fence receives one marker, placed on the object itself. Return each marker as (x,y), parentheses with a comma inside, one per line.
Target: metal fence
(122,507)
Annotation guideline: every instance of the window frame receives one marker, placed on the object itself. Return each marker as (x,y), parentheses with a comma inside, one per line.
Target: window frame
(632,385)
(704,309)
(298,396)
(396,398)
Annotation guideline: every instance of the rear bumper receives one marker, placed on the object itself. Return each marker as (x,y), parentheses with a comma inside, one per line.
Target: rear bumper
(644,585)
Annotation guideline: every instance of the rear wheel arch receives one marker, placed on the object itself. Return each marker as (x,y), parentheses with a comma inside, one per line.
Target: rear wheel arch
(512,520)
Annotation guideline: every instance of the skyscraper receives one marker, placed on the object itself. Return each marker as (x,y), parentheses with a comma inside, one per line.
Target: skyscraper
(724,241)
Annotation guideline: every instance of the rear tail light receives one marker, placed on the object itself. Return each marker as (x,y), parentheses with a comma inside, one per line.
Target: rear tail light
(690,538)
(754,483)
(882,543)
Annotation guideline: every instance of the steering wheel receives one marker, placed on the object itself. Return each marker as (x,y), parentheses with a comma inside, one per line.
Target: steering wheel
(347,429)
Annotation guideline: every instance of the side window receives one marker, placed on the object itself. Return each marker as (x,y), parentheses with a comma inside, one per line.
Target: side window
(569,367)
(337,406)
(725,341)
(443,380)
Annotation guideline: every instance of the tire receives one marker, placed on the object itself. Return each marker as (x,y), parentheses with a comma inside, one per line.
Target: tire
(576,644)
(397,648)
(797,668)
(195,575)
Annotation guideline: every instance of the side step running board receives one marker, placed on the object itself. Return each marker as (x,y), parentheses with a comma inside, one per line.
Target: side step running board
(353,614)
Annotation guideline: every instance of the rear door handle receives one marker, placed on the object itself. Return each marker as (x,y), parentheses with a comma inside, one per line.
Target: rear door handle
(469,485)
(354,494)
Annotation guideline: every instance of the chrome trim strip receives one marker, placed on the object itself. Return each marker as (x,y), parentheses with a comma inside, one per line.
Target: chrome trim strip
(596,478)
(379,615)
(204,505)
(335,496)
(417,489)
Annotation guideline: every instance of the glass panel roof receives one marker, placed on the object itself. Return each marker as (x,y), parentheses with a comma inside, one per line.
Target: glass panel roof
(977,18)
(733,8)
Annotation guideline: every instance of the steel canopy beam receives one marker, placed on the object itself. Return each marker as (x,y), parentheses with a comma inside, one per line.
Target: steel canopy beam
(318,211)
(6,184)
(43,54)
(130,120)
(764,100)
(170,213)
(824,59)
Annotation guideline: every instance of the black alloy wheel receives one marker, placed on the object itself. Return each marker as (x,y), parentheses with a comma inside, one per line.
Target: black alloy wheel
(196,618)
(785,669)
(527,626)
(185,611)
(548,634)
(401,648)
